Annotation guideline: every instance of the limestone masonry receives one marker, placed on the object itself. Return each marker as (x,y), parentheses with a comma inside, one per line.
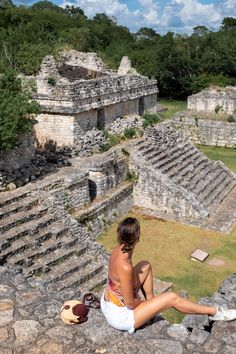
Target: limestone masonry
(214,100)
(78,93)
(205,131)
(177,181)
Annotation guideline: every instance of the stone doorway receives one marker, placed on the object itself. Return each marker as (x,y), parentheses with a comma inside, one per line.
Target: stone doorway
(101,118)
(141,106)
(92,189)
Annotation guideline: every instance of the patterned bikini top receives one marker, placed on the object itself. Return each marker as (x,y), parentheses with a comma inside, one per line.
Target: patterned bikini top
(116,289)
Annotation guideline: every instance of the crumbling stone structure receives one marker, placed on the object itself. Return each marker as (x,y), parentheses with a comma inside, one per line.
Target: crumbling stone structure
(78,93)
(48,252)
(214,100)
(177,181)
(205,131)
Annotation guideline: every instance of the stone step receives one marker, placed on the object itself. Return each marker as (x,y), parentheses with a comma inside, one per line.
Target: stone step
(216,185)
(148,150)
(196,175)
(28,228)
(156,155)
(142,145)
(185,161)
(62,240)
(172,157)
(66,268)
(54,230)
(7,198)
(89,272)
(186,170)
(24,204)
(203,184)
(96,283)
(205,174)
(57,255)
(223,218)
(219,194)
(21,217)
(162,154)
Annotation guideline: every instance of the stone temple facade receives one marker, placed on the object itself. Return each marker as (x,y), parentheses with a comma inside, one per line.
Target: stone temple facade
(214,100)
(78,93)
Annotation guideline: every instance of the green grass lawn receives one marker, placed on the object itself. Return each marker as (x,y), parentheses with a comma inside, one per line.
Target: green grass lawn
(173,107)
(168,245)
(226,155)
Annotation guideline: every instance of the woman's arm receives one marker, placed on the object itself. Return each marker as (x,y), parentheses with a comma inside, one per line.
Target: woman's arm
(127,286)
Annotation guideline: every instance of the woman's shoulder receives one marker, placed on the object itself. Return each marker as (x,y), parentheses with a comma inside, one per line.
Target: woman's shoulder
(120,259)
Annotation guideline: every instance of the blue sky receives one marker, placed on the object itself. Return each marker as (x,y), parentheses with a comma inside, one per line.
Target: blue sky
(179,16)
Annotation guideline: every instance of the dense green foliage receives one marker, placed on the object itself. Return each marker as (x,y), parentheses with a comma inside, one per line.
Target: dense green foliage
(15,109)
(150,119)
(181,64)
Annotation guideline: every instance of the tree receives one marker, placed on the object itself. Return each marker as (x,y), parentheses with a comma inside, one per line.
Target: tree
(72,11)
(146,33)
(47,5)
(200,30)
(228,23)
(6,3)
(15,110)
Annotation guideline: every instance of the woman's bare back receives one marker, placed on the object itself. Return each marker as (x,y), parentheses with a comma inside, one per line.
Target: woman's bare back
(118,260)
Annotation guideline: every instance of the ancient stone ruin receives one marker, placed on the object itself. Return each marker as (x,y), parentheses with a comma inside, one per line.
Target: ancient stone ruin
(78,93)
(179,182)
(214,100)
(48,248)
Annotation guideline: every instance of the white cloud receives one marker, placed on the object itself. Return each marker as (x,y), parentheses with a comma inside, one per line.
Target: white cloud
(176,15)
(92,7)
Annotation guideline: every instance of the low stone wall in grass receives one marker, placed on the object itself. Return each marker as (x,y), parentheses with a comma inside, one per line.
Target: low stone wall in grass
(206,132)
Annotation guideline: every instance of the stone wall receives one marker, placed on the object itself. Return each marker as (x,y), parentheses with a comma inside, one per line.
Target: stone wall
(150,103)
(158,194)
(106,211)
(54,130)
(73,192)
(206,132)
(20,156)
(106,175)
(85,121)
(121,109)
(213,100)
(67,97)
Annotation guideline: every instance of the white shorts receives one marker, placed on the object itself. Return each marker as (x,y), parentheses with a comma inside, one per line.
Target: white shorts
(118,317)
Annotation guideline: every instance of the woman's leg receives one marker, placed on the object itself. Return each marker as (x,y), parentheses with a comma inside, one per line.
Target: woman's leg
(143,279)
(148,309)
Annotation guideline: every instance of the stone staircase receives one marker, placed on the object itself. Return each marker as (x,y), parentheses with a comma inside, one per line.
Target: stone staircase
(42,244)
(196,178)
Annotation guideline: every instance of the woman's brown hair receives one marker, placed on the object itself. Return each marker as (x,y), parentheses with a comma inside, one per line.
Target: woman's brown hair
(128,233)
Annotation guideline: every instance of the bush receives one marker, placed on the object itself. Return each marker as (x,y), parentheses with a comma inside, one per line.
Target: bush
(131,176)
(231,119)
(105,147)
(218,108)
(16,110)
(203,81)
(113,140)
(51,81)
(150,119)
(130,133)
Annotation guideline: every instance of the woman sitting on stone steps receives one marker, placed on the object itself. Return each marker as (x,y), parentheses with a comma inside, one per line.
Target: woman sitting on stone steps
(120,302)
